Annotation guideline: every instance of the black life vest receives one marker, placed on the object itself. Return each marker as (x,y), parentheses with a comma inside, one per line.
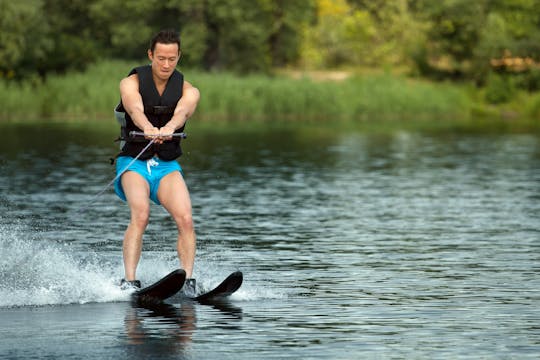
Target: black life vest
(158,109)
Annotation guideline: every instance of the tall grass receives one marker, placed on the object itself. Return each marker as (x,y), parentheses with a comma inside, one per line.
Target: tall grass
(92,94)
(73,96)
(375,96)
(368,98)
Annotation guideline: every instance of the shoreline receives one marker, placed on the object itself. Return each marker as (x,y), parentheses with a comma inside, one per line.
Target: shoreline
(364,99)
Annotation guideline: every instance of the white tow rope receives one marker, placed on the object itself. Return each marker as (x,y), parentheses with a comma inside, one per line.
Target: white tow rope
(116,177)
(132,133)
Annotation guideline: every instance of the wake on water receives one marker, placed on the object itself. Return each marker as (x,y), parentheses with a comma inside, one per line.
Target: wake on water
(36,272)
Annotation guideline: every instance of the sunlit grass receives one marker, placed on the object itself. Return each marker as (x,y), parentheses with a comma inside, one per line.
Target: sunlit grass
(260,97)
(365,98)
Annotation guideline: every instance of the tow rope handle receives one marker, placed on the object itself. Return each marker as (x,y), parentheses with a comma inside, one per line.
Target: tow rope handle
(139,133)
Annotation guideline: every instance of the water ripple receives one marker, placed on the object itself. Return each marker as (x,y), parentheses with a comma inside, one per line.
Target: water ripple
(400,245)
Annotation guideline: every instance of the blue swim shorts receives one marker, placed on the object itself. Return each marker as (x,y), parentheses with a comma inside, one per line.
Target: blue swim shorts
(152,170)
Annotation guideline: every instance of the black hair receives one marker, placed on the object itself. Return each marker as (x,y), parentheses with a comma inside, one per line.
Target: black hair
(166,36)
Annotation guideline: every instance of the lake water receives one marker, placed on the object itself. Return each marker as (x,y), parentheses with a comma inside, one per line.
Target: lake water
(353,245)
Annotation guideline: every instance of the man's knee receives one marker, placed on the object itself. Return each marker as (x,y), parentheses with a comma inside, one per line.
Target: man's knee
(140,218)
(184,221)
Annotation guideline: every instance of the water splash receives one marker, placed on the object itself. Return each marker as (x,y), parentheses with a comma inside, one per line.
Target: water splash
(38,272)
(212,269)
(35,272)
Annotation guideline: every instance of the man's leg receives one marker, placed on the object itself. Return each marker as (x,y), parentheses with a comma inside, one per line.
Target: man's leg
(137,193)
(174,196)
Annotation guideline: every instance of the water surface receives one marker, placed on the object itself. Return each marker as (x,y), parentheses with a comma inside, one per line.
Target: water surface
(352,244)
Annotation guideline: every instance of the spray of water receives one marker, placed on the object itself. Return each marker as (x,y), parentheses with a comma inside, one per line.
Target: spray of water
(38,271)
(34,272)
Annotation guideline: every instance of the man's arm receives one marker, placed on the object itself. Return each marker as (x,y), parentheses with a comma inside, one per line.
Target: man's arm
(184,109)
(133,104)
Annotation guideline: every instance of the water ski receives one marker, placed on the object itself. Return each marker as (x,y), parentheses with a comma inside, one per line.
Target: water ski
(223,290)
(162,289)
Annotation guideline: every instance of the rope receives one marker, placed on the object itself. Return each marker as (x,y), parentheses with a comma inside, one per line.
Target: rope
(116,177)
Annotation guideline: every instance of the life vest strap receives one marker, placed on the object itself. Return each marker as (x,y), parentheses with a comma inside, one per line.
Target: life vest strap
(159,109)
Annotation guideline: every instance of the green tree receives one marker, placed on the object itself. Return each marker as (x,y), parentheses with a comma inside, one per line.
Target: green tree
(464,36)
(338,37)
(398,32)
(24,39)
(241,35)
(238,34)
(288,18)
(123,28)
(454,28)
(370,33)
(72,32)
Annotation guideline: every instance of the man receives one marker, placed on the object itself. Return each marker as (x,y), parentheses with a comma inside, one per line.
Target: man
(156,101)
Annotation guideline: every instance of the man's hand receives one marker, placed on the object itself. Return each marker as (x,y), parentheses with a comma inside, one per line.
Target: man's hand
(166,132)
(152,132)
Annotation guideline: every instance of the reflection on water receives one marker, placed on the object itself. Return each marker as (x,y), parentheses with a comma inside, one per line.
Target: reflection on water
(352,245)
(158,330)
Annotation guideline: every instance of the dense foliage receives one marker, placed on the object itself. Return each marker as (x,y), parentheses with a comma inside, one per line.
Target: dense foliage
(490,42)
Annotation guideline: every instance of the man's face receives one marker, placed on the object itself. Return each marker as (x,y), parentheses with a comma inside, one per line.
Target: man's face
(164,60)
